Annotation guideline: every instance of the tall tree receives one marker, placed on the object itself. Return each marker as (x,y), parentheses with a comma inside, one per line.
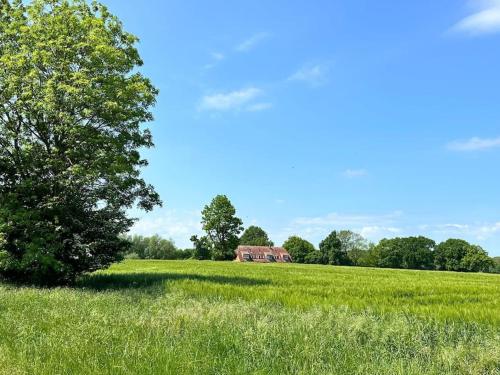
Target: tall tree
(355,245)
(255,236)
(332,250)
(71,106)
(222,227)
(298,248)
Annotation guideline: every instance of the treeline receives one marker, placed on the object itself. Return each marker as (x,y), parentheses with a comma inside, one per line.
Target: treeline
(223,235)
(154,247)
(351,249)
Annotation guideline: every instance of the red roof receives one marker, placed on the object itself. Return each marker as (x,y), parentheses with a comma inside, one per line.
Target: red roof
(260,254)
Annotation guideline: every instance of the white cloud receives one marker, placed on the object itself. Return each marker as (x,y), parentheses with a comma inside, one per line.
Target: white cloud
(252,42)
(376,231)
(217,56)
(257,107)
(476,231)
(234,100)
(315,75)
(314,229)
(486,19)
(354,173)
(474,144)
(177,225)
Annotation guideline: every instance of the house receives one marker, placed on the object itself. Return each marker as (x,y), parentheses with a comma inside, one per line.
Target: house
(262,254)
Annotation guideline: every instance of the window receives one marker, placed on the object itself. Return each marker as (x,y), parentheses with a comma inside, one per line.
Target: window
(270,258)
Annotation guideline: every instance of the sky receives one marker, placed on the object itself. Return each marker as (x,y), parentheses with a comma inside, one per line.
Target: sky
(382,117)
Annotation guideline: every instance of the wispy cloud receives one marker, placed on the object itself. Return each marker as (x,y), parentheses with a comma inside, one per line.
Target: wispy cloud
(313,74)
(174,224)
(475,231)
(231,101)
(218,56)
(485,20)
(250,43)
(474,144)
(373,227)
(355,173)
(257,107)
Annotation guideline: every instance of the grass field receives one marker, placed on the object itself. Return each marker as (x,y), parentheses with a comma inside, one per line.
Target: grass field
(187,317)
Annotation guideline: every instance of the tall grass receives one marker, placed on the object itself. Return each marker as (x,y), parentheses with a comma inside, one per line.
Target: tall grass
(182,317)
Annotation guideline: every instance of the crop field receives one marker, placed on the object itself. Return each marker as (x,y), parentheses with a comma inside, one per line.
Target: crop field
(190,317)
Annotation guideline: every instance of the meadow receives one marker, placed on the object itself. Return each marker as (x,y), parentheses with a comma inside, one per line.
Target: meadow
(191,317)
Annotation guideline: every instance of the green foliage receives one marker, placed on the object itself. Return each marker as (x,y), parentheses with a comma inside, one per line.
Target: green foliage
(496,265)
(255,236)
(222,227)
(449,254)
(332,250)
(298,249)
(202,248)
(354,245)
(71,106)
(459,255)
(174,317)
(476,260)
(408,252)
(314,257)
(154,247)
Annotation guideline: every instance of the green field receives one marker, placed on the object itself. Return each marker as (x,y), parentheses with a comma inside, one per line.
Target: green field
(188,317)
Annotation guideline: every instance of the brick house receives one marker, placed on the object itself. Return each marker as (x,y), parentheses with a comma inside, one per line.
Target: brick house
(262,254)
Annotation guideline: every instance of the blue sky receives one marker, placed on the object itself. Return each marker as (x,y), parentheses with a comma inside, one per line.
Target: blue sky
(378,116)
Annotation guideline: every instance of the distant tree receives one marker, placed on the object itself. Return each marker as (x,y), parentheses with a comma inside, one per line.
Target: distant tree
(314,257)
(160,248)
(460,255)
(408,252)
(202,248)
(255,236)
(72,102)
(138,246)
(449,254)
(355,245)
(368,258)
(496,265)
(298,248)
(222,227)
(476,259)
(332,251)
(154,247)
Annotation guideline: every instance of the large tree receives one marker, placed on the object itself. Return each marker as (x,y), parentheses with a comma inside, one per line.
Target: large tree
(407,252)
(459,255)
(222,227)
(255,236)
(354,245)
(299,249)
(332,250)
(71,107)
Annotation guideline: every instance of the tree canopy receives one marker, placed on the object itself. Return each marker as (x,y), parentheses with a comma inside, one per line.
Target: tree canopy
(459,255)
(407,252)
(298,248)
(222,227)
(332,250)
(255,236)
(71,107)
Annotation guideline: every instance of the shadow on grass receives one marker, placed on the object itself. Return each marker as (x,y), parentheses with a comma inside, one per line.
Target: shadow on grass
(151,281)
